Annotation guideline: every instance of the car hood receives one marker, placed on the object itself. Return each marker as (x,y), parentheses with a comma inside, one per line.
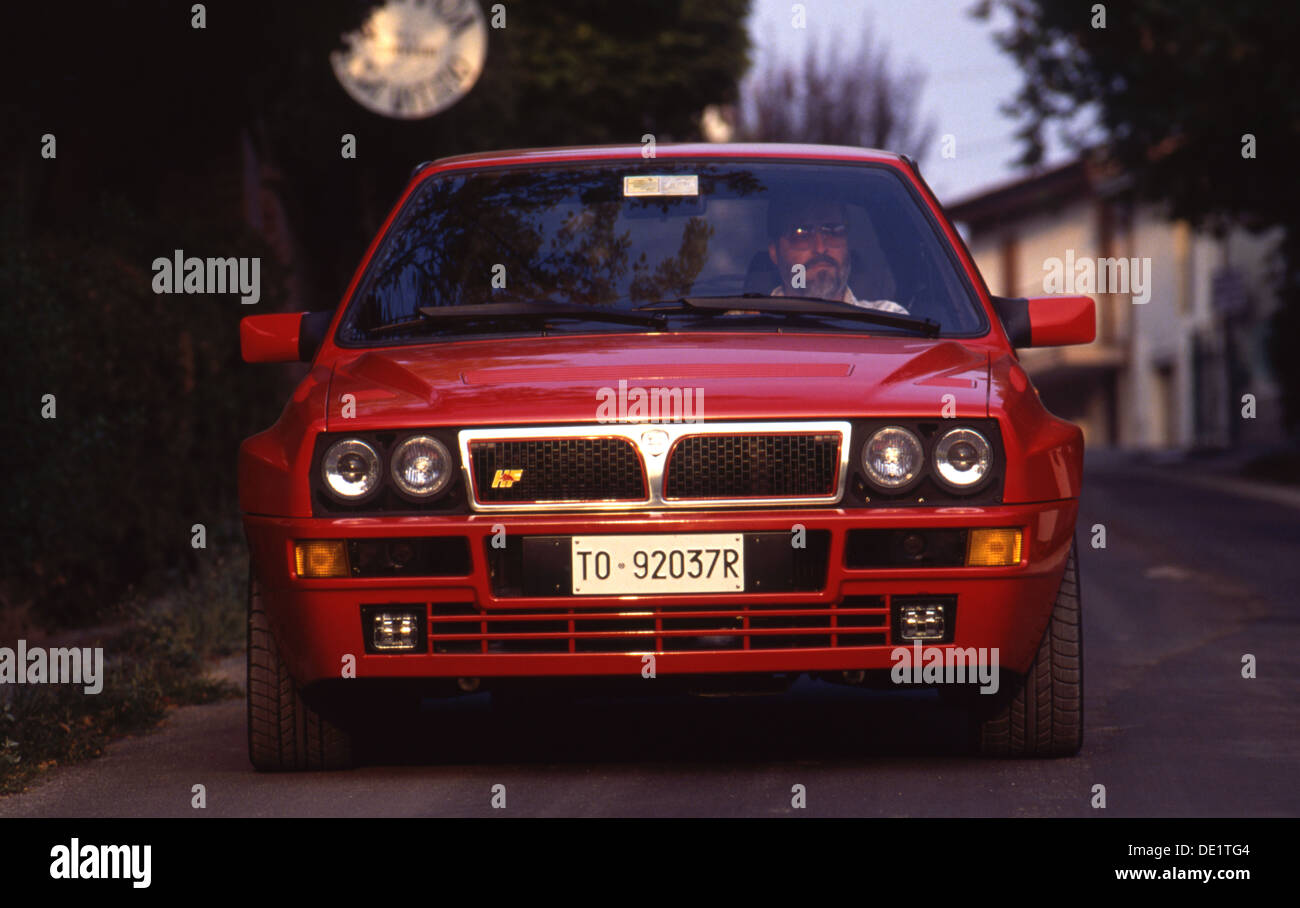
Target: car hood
(584,379)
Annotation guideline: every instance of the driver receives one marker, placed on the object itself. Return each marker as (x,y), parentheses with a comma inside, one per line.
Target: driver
(814,232)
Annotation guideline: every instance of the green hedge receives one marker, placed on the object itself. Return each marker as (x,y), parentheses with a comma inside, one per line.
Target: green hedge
(152,401)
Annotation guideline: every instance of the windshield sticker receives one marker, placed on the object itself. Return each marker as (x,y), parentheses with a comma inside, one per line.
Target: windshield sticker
(661,185)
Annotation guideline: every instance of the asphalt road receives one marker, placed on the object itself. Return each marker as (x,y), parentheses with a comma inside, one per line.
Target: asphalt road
(1192,578)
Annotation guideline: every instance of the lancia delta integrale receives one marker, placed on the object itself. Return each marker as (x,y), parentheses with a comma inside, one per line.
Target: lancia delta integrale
(731,413)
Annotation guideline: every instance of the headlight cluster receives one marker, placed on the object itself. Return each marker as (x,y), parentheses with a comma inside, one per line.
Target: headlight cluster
(351,469)
(894,459)
(420,466)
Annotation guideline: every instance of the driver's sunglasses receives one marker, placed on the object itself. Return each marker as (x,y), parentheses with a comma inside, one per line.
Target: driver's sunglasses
(802,234)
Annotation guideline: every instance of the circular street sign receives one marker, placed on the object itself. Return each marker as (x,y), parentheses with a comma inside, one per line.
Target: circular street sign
(413,58)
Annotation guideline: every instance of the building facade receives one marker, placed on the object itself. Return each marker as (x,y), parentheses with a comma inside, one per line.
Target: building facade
(1182,315)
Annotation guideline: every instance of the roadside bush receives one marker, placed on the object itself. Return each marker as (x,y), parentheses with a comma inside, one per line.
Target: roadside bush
(150,397)
(159,658)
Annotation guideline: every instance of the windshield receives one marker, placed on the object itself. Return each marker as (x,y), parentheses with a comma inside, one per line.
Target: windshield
(621,235)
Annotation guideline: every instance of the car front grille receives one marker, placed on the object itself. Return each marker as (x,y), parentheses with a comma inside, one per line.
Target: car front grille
(753,466)
(651,466)
(853,621)
(557,469)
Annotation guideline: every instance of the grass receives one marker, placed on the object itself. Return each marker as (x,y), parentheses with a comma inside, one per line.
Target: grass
(156,659)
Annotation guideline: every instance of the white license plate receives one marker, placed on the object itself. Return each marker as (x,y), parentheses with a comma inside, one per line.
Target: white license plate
(686,563)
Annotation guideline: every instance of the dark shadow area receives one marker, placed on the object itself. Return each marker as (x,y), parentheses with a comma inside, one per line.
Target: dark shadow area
(814,720)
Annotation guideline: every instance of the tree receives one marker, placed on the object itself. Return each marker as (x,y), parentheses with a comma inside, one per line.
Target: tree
(1196,100)
(163,105)
(829,98)
(152,121)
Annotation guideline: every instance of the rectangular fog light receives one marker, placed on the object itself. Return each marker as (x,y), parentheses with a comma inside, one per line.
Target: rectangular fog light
(922,622)
(395,630)
(315,558)
(993,548)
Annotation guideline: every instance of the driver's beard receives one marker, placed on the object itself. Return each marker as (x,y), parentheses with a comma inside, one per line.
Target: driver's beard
(828,283)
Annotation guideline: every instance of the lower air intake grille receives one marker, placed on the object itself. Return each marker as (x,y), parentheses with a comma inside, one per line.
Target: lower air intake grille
(854,621)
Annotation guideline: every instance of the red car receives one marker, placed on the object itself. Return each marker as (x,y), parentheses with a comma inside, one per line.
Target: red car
(722,415)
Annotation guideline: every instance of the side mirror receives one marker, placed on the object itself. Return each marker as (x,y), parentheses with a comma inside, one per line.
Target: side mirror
(288,337)
(1048,321)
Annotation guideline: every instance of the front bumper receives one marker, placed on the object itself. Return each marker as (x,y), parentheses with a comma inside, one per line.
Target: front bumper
(318,624)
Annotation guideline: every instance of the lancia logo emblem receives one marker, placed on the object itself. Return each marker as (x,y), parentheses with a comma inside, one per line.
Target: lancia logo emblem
(654,442)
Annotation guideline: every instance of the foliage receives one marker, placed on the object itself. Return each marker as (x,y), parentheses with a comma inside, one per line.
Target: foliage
(150,403)
(161,101)
(1176,88)
(158,660)
(161,131)
(831,97)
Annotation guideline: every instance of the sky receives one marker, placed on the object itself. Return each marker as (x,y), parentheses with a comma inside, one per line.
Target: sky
(967,76)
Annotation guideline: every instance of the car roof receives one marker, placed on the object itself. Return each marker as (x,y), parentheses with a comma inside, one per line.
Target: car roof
(736,150)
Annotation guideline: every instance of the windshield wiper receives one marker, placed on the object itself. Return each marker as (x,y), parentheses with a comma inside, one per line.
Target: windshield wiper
(519,311)
(790,305)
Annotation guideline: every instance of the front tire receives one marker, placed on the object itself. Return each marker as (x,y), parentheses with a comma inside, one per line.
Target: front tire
(1042,715)
(284,733)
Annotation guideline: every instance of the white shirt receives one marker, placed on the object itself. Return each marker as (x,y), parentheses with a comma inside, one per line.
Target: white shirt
(848,297)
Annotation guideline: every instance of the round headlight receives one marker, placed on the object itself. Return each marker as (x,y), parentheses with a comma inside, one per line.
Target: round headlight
(962,459)
(892,458)
(422,466)
(350,469)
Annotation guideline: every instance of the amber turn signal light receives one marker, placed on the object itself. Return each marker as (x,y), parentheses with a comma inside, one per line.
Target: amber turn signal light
(993,548)
(321,558)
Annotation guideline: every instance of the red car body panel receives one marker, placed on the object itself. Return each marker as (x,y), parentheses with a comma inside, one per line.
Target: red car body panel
(317,621)
(744,376)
